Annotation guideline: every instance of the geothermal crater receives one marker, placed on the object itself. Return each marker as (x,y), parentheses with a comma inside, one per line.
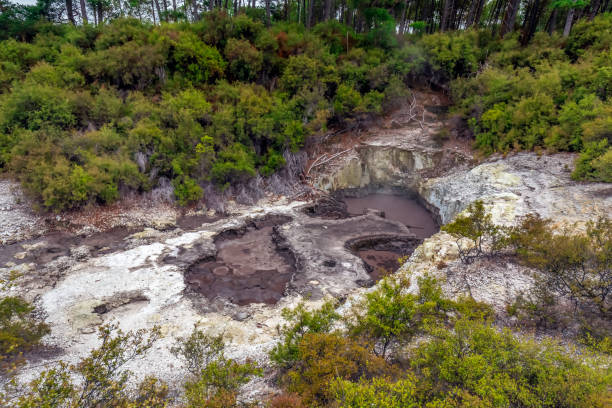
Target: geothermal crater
(249,266)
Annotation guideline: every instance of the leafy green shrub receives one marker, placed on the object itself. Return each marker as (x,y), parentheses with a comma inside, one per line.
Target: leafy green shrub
(594,163)
(101,377)
(130,65)
(300,321)
(216,379)
(19,330)
(476,226)
(378,392)
(233,164)
(389,315)
(244,60)
(200,63)
(476,365)
(322,357)
(576,266)
(36,107)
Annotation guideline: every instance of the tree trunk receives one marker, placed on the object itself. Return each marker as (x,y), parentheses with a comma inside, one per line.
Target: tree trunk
(552,22)
(446,14)
(594,9)
(70,12)
(568,22)
(310,9)
(196,12)
(473,17)
(328,7)
(509,18)
(159,14)
(83,12)
(165,4)
(100,15)
(402,27)
(531,21)
(153,11)
(268,13)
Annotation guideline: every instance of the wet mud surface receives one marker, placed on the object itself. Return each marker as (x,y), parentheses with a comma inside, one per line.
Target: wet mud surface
(399,208)
(43,250)
(380,254)
(250,266)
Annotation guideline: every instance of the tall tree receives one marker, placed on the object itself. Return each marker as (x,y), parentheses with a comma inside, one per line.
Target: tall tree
(70,12)
(509,17)
(474,14)
(568,22)
(447,10)
(83,12)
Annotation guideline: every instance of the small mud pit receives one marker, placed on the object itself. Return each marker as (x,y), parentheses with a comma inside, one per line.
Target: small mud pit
(380,254)
(399,208)
(47,248)
(250,267)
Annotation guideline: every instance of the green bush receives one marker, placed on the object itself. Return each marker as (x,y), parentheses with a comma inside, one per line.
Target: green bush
(200,63)
(100,379)
(594,162)
(19,330)
(477,227)
(299,322)
(215,379)
(476,365)
(244,60)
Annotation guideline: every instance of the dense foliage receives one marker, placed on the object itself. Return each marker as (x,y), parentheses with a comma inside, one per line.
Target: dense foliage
(20,331)
(572,274)
(553,94)
(460,360)
(88,113)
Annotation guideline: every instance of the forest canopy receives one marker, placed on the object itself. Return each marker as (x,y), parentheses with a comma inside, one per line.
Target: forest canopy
(112,97)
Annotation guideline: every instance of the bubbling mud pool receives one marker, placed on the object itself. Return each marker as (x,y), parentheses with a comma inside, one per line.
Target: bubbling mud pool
(250,266)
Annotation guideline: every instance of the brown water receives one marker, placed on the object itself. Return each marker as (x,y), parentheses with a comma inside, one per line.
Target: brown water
(380,263)
(404,209)
(248,268)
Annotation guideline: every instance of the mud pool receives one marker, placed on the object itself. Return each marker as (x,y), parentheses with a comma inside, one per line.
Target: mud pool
(399,208)
(248,267)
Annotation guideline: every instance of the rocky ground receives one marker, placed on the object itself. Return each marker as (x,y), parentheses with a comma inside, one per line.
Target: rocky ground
(133,274)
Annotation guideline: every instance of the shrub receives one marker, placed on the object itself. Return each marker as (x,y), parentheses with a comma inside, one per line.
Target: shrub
(101,378)
(215,379)
(232,165)
(378,392)
(244,60)
(477,365)
(322,357)
(37,107)
(594,163)
(200,63)
(19,330)
(390,315)
(299,322)
(575,266)
(475,226)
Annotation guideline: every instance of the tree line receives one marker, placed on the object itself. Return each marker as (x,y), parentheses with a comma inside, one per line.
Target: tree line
(400,16)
